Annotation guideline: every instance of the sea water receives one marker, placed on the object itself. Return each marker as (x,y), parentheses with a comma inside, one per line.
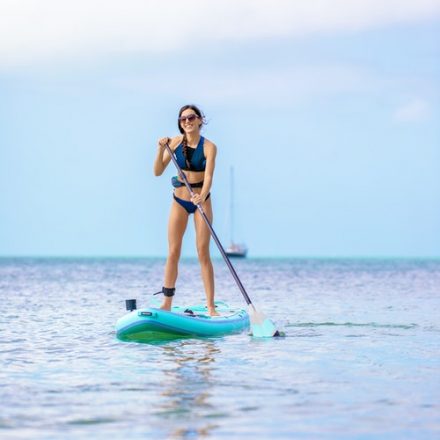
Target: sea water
(359,360)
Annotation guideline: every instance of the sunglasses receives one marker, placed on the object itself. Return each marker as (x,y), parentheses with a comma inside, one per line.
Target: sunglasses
(189,118)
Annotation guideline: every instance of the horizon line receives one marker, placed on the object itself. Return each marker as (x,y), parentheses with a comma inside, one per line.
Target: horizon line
(219,258)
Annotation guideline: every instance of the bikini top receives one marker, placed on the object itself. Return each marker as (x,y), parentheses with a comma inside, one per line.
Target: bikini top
(196,158)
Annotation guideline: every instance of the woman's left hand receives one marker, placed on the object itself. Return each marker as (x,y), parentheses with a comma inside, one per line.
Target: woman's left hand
(197,199)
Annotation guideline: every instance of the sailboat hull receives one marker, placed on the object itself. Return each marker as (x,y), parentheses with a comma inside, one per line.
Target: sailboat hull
(236,254)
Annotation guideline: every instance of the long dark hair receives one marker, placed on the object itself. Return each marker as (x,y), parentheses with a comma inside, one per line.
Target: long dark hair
(199,113)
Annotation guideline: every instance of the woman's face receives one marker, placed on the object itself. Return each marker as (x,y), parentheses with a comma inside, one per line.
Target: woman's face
(190,121)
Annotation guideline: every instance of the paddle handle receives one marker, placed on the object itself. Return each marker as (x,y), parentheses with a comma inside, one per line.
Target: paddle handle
(208,223)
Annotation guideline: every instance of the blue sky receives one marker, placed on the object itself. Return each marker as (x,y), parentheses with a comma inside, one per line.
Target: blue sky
(328,112)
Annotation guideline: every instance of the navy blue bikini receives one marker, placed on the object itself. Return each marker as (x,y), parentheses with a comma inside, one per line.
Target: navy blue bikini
(197,162)
(196,157)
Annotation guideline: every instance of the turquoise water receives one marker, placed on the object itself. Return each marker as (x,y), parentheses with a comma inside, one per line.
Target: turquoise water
(360,359)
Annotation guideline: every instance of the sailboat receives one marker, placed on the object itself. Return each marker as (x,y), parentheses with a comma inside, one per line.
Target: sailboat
(234,249)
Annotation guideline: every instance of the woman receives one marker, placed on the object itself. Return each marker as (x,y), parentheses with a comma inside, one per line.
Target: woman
(196,157)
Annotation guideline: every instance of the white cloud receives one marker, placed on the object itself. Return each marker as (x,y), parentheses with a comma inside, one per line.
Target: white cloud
(271,86)
(413,111)
(34,30)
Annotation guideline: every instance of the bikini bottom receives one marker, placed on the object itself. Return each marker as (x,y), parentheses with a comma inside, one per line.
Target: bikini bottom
(189,206)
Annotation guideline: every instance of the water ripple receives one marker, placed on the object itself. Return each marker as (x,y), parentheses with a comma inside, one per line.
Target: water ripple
(359,360)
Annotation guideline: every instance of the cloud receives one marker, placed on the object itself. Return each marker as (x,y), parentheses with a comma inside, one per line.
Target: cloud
(269,85)
(413,111)
(38,30)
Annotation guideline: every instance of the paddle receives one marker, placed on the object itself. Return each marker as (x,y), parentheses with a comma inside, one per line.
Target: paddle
(261,325)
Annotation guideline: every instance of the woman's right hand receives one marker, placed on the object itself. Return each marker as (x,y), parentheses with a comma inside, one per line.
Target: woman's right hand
(162,142)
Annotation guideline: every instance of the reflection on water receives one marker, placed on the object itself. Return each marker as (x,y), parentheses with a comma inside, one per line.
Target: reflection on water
(362,336)
(188,387)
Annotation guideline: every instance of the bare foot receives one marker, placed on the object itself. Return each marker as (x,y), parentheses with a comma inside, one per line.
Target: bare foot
(212,311)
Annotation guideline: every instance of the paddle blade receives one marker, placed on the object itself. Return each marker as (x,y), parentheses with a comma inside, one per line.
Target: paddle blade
(261,326)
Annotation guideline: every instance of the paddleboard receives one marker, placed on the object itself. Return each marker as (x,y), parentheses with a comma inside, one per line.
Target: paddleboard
(149,323)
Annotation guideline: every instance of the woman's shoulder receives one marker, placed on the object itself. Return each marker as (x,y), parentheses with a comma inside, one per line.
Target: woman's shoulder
(176,141)
(209,144)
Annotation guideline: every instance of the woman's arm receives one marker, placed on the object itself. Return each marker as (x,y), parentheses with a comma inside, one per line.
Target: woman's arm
(162,157)
(210,154)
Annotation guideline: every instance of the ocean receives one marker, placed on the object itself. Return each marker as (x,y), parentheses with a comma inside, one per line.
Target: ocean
(360,358)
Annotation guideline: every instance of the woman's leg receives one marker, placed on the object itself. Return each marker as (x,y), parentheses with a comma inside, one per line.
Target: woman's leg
(176,228)
(202,241)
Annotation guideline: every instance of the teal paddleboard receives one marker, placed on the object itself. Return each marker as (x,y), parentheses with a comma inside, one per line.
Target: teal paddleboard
(149,324)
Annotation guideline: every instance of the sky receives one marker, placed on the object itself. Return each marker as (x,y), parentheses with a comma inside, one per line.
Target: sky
(328,111)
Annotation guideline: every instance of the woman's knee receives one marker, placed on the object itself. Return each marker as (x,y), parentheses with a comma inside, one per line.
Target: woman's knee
(174,254)
(203,253)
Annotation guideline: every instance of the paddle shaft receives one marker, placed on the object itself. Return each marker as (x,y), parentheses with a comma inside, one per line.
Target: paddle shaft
(208,223)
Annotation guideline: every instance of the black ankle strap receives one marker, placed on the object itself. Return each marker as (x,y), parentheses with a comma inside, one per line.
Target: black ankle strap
(167,291)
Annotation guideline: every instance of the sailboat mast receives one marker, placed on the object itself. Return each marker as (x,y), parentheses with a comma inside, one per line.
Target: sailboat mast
(231,200)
